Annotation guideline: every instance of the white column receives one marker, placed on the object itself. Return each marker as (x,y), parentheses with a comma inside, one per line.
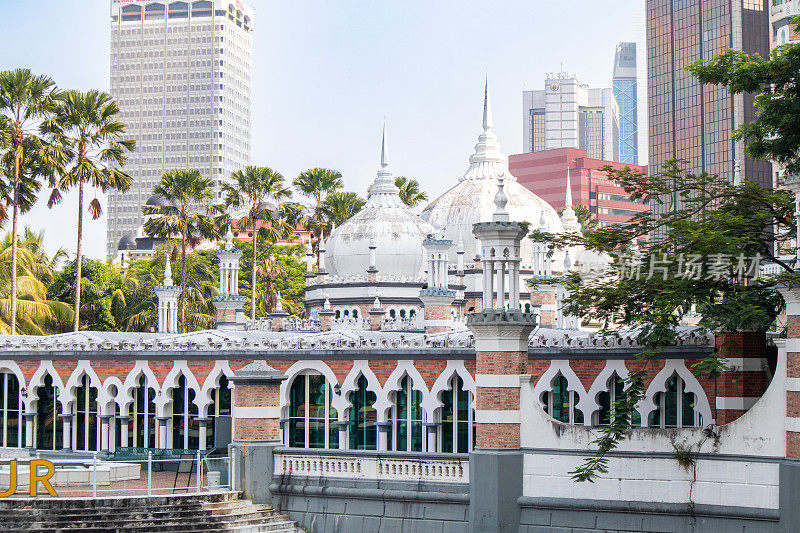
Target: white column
(501,285)
(443,263)
(67,432)
(162,434)
(203,433)
(488,278)
(383,440)
(29,432)
(105,427)
(123,433)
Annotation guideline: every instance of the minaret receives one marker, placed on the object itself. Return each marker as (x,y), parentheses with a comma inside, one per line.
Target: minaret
(321,272)
(278,316)
(437,298)
(568,217)
(372,271)
(228,303)
(501,354)
(167,302)
(460,287)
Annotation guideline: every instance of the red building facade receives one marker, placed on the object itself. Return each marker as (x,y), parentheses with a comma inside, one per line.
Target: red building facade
(545,173)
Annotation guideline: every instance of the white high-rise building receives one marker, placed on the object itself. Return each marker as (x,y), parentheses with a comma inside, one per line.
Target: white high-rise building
(181,74)
(569,114)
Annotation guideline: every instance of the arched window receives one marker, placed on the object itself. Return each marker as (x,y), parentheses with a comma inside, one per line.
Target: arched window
(131,12)
(355,313)
(560,402)
(402,313)
(154,11)
(338,314)
(143,416)
(458,419)
(312,418)
(411,313)
(675,408)
(392,313)
(86,416)
(49,429)
(219,412)
(347,312)
(615,391)
(185,429)
(10,413)
(363,418)
(178,10)
(528,308)
(405,418)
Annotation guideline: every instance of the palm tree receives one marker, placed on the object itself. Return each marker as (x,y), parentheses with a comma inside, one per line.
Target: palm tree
(86,126)
(260,190)
(410,193)
(182,190)
(36,314)
(27,102)
(338,207)
(317,184)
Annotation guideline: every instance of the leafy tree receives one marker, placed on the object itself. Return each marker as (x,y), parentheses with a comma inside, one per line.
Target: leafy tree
(281,268)
(97,290)
(338,207)
(182,189)
(774,134)
(719,226)
(260,191)
(410,193)
(27,102)
(36,314)
(318,184)
(86,125)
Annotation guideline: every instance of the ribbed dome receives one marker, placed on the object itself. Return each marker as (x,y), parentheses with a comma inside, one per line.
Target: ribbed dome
(471,200)
(388,223)
(127,242)
(157,200)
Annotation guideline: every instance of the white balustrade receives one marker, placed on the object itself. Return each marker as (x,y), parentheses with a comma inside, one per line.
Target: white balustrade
(373,467)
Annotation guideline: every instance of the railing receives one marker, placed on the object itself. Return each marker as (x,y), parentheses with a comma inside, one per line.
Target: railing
(301,324)
(190,473)
(350,323)
(260,324)
(400,324)
(373,465)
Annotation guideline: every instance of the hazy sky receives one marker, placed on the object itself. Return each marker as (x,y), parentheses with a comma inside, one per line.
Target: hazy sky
(325,73)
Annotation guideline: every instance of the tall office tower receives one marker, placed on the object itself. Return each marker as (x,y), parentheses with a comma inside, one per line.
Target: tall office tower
(691,121)
(181,73)
(568,114)
(640,27)
(780,20)
(626,92)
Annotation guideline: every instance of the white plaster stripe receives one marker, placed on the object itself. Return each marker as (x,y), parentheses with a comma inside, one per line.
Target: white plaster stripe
(735,403)
(548,307)
(792,424)
(745,364)
(497,417)
(257,412)
(793,384)
(497,380)
(442,322)
(793,345)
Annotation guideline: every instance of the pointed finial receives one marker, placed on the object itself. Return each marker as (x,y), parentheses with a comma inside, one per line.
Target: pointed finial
(327,303)
(229,239)
(737,173)
(568,200)
(500,200)
(384,147)
(279,304)
(167,273)
(372,244)
(487,106)
(376,304)
(321,239)
(567,263)
(542,222)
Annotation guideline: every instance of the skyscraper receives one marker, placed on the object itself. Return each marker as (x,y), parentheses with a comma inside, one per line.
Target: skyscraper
(688,120)
(569,114)
(181,74)
(625,91)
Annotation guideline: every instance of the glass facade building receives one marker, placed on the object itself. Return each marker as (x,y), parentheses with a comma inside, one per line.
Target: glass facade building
(690,121)
(625,91)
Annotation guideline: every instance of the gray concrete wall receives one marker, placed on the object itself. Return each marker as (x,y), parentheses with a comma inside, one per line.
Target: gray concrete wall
(356,506)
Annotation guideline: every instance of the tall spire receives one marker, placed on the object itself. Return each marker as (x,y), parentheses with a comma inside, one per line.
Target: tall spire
(568,199)
(568,218)
(487,105)
(384,147)
(167,274)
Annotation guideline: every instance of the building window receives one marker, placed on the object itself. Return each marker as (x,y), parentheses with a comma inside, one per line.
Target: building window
(560,402)
(363,418)
(675,408)
(178,10)
(185,429)
(405,429)
(131,13)
(86,429)
(458,419)
(154,11)
(219,412)
(606,399)
(49,429)
(10,413)
(312,418)
(201,9)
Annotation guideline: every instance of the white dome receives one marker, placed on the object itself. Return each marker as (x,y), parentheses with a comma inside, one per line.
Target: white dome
(388,223)
(471,200)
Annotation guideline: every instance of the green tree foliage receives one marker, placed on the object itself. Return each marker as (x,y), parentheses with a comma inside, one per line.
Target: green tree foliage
(86,126)
(182,189)
(279,268)
(97,289)
(338,207)
(410,193)
(716,224)
(586,218)
(27,105)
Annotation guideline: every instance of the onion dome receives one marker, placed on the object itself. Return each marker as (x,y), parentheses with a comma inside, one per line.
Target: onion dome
(157,200)
(384,220)
(127,242)
(471,200)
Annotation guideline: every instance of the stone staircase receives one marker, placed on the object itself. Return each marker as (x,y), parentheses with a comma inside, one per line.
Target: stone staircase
(215,512)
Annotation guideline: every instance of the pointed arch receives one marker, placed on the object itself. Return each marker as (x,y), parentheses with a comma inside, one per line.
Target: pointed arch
(221,368)
(131,383)
(659,384)
(545,384)
(588,402)
(37,380)
(433,401)
(350,383)
(301,367)
(393,384)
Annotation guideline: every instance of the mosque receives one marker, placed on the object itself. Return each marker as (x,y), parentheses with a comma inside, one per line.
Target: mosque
(420,330)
